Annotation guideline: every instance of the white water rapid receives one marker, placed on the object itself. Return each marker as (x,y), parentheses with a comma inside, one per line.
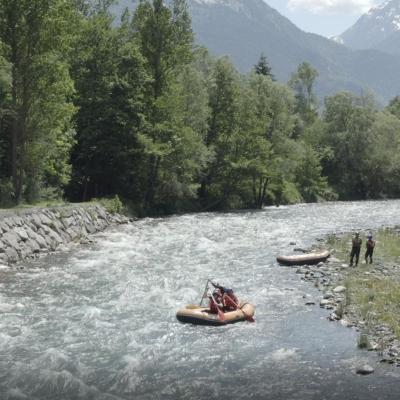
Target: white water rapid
(98,322)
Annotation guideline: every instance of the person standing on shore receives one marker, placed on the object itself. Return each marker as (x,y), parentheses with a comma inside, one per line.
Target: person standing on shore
(355,249)
(370,249)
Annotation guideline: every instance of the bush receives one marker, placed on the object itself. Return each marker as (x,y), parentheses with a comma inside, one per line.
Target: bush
(113,205)
(6,193)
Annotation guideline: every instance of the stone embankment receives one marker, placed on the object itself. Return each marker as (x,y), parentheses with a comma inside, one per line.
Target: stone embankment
(28,233)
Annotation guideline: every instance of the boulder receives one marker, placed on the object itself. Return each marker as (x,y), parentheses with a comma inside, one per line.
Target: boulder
(12,254)
(21,232)
(365,370)
(11,239)
(339,289)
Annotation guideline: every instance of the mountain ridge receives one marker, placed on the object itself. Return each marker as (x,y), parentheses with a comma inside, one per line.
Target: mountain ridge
(243,29)
(379,28)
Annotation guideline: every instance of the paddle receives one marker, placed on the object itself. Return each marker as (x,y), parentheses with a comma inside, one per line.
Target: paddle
(205,292)
(221,315)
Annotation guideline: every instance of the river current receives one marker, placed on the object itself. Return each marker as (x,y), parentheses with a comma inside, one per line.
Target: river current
(98,322)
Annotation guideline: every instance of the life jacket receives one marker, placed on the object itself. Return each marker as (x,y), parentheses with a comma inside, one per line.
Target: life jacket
(229,300)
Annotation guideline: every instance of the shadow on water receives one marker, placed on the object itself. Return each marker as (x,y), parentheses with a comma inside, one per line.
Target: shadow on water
(99,322)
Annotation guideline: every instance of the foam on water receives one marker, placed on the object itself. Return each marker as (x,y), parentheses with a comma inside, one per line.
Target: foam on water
(99,322)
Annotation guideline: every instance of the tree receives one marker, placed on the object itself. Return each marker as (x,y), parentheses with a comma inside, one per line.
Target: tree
(394,106)
(349,120)
(302,82)
(263,68)
(110,80)
(37,35)
(165,39)
(223,104)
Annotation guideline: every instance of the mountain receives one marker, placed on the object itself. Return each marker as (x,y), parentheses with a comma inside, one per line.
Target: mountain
(243,29)
(377,29)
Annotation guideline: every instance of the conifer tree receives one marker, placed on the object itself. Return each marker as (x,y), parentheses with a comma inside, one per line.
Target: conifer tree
(263,68)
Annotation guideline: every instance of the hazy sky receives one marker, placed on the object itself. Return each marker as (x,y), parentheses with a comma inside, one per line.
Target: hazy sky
(326,17)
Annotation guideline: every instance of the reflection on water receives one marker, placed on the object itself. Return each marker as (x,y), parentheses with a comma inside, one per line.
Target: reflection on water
(99,322)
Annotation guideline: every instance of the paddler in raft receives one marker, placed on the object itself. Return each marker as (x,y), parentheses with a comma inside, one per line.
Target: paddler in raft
(222,298)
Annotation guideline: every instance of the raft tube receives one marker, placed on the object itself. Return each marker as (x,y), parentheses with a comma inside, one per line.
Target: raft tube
(203,316)
(303,259)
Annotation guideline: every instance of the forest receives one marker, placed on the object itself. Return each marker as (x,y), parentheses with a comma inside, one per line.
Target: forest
(91,107)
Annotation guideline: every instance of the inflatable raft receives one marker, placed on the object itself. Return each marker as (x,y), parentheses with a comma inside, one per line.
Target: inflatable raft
(202,316)
(303,259)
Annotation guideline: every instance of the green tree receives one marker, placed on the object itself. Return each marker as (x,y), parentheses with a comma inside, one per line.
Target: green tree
(349,134)
(223,103)
(302,82)
(165,39)
(394,106)
(110,80)
(263,68)
(37,36)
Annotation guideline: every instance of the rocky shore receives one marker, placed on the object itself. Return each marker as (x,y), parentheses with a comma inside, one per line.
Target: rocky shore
(332,278)
(28,233)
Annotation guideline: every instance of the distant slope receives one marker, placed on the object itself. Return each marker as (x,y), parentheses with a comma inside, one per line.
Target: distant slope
(379,29)
(243,29)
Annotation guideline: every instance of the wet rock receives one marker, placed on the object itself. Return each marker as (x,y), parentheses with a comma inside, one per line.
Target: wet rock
(339,289)
(365,370)
(333,317)
(292,244)
(327,295)
(300,250)
(325,303)
(11,254)
(346,323)
(310,303)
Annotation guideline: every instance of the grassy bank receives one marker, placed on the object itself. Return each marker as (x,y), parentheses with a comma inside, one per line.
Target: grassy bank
(112,205)
(373,290)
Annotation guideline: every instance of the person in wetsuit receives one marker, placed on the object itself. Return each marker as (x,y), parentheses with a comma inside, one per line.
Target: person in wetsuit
(224,298)
(355,249)
(370,249)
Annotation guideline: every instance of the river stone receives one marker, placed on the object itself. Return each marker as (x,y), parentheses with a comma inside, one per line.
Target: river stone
(44,219)
(339,289)
(4,226)
(11,238)
(30,232)
(325,303)
(35,219)
(18,221)
(21,233)
(365,370)
(328,295)
(90,228)
(39,239)
(33,246)
(2,247)
(11,254)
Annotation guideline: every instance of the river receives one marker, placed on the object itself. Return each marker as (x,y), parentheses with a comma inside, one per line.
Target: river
(98,322)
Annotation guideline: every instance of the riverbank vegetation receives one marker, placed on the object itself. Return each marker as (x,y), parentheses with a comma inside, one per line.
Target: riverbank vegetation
(91,107)
(372,290)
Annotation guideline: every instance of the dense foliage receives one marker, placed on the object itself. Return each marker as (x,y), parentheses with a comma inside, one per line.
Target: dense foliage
(90,108)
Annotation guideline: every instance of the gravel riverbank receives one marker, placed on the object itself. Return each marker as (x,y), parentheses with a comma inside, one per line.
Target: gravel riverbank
(364,298)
